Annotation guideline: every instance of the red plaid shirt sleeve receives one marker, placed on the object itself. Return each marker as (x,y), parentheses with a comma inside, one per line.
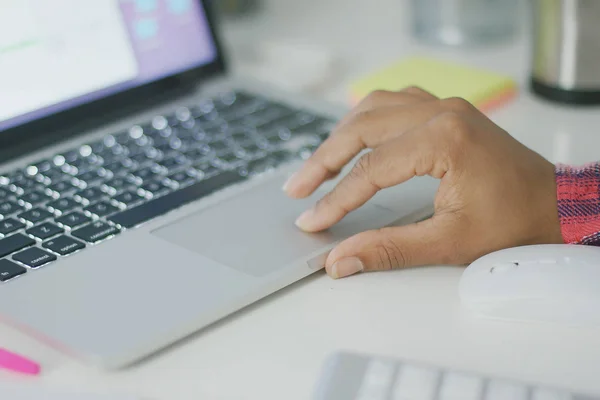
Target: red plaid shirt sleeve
(578,192)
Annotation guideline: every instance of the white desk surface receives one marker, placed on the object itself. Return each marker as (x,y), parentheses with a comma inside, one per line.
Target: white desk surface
(274,349)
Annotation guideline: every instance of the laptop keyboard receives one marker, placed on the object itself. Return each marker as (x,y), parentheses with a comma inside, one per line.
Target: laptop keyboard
(58,206)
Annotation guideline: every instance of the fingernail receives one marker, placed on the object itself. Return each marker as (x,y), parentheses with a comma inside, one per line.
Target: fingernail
(305,220)
(346,266)
(290,183)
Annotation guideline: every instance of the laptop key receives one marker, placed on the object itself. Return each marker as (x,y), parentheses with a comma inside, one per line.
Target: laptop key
(27,185)
(145,174)
(91,195)
(63,187)
(9,207)
(64,245)
(173,163)
(34,257)
(63,205)
(117,185)
(45,230)
(35,215)
(10,225)
(5,193)
(154,208)
(183,178)
(73,220)
(35,197)
(10,270)
(128,198)
(95,232)
(155,187)
(207,169)
(92,177)
(13,243)
(54,175)
(101,208)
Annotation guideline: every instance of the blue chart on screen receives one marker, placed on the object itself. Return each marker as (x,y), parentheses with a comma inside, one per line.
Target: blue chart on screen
(146,28)
(146,5)
(179,6)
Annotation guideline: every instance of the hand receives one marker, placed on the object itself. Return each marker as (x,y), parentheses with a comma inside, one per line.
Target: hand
(494,192)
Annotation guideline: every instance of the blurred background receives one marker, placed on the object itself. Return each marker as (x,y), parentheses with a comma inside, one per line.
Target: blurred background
(322,46)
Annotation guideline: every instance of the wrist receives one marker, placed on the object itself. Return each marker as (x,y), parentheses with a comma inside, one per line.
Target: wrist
(578,196)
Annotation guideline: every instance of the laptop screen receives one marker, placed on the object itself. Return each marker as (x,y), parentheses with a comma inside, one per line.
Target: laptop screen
(59,54)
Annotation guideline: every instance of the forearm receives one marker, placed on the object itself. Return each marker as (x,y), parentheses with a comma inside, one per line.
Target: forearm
(578,192)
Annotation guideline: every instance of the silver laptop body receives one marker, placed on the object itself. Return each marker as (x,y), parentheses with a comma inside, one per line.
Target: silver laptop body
(188,251)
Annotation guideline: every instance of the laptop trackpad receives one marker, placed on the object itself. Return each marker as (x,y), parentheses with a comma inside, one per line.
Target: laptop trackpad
(255,232)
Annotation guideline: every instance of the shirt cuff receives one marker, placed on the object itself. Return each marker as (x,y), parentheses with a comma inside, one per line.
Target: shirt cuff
(578,193)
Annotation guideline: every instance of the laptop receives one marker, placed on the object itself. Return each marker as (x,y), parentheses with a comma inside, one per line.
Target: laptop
(140,184)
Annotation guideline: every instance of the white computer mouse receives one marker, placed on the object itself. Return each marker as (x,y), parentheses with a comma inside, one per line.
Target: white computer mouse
(549,283)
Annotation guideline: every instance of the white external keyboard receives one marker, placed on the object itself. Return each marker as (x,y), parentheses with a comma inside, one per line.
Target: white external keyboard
(348,376)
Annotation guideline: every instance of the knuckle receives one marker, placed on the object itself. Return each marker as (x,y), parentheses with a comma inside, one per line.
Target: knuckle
(375,97)
(414,90)
(454,126)
(389,254)
(364,116)
(362,167)
(457,104)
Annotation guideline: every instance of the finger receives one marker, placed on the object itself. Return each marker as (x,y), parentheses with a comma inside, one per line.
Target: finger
(386,98)
(425,243)
(414,154)
(368,129)
(310,177)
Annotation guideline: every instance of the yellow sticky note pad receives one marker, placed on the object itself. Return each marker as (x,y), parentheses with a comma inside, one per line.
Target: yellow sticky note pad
(485,89)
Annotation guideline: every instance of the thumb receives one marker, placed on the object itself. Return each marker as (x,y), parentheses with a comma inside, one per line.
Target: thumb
(433,241)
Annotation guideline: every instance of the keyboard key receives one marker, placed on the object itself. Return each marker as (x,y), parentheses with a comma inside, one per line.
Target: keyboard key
(35,215)
(155,187)
(228,160)
(220,147)
(169,202)
(183,178)
(34,257)
(173,164)
(415,383)
(64,245)
(28,185)
(145,174)
(10,225)
(120,167)
(35,197)
(501,390)
(73,219)
(207,169)
(198,153)
(5,193)
(62,187)
(252,148)
(129,198)
(92,177)
(9,270)
(91,195)
(64,204)
(117,185)
(101,208)
(45,230)
(457,386)
(42,166)
(54,175)
(14,243)
(377,380)
(9,207)
(95,232)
